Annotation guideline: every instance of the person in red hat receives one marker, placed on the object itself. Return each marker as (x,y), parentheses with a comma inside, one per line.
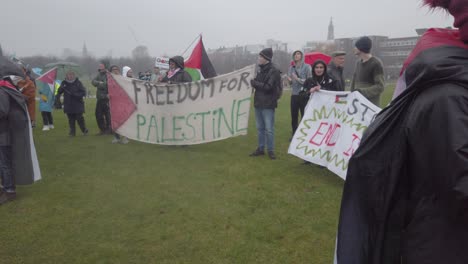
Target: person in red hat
(405,198)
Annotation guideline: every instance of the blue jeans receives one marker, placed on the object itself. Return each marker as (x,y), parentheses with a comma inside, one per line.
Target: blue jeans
(6,173)
(265,120)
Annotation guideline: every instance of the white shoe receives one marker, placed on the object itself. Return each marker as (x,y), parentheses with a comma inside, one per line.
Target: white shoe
(124,140)
(46,128)
(115,141)
(51,126)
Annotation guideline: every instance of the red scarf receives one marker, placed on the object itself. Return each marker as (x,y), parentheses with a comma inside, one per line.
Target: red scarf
(7,84)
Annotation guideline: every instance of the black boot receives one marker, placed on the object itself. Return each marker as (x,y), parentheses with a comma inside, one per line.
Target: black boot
(257,152)
(272,155)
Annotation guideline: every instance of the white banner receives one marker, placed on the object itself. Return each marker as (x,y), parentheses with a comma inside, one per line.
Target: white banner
(332,128)
(181,114)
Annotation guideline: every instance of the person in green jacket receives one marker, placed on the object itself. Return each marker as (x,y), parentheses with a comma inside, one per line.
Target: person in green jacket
(368,78)
(103,118)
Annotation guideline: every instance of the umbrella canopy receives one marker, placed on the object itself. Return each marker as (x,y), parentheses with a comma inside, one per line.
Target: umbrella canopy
(312,57)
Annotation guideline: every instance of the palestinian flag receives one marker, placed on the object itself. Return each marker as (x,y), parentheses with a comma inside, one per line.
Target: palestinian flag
(199,65)
(47,88)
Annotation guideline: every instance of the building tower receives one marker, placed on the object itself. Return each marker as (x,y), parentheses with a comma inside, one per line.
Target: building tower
(331,30)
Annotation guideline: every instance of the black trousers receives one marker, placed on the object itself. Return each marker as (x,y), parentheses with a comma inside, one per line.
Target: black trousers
(76,118)
(6,171)
(47,118)
(103,117)
(298,104)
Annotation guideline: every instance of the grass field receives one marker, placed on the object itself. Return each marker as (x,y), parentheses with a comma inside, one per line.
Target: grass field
(141,203)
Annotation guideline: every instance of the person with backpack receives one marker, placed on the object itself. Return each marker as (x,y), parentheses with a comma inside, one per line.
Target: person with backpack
(267,85)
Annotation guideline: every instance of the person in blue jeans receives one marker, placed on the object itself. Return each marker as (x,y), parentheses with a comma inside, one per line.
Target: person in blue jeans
(267,86)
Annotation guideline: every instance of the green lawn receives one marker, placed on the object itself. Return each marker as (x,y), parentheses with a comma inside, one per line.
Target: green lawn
(140,203)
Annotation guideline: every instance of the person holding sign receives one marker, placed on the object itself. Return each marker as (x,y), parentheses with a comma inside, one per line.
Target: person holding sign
(176,73)
(320,80)
(405,199)
(267,91)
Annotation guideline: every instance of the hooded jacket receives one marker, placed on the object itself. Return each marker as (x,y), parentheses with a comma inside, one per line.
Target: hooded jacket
(181,76)
(405,198)
(303,71)
(326,82)
(125,70)
(74,92)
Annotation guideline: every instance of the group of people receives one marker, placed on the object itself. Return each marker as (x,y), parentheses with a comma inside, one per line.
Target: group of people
(306,79)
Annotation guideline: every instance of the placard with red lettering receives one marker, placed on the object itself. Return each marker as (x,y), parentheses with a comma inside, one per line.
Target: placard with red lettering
(332,128)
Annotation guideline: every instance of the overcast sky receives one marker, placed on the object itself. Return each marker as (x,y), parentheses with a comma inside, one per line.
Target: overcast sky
(33,27)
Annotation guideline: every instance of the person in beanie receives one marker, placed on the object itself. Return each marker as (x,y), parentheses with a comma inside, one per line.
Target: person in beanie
(405,198)
(335,69)
(267,92)
(73,103)
(102,100)
(18,160)
(176,73)
(297,74)
(368,78)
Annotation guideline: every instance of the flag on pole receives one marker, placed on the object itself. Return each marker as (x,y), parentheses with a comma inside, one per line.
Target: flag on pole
(198,64)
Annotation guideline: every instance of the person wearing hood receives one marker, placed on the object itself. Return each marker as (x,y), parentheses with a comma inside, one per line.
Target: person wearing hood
(176,73)
(267,85)
(16,154)
(73,103)
(320,80)
(368,78)
(335,69)
(298,72)
(405,198)
(127,72)
(102,100)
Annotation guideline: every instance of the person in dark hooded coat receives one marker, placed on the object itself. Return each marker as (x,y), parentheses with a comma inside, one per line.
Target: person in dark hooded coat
(405,198)
(320,80)
(73,103)
(176,73)
(18,160)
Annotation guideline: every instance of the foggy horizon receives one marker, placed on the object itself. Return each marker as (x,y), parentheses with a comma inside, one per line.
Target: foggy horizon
(110,28)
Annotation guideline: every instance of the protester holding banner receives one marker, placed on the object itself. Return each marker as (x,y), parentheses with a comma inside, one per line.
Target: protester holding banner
(335,69)
(405,198)
(18,160)
(368,78)
(320,80)
(127,72)
(103,118)
(176,73)
(297,74)
(267,91)
(73,103)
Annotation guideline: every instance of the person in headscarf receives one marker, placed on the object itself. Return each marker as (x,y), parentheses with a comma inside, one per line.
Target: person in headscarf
(320,80)
(405,199)
(176,73)
(73,102)
(18,159)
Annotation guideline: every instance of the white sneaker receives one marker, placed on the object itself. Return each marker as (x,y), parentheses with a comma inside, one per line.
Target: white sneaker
(51,126)
(124,140)
(115,141)
(46,128)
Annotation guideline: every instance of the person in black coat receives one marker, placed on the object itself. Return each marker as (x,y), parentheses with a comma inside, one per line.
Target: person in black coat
(73,103)
(320,80)
(176,73)
(267,85)
(405,199)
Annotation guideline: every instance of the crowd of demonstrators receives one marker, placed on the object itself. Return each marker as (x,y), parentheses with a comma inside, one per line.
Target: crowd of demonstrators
(176,73)
(73,103)
(266,84)
(14,131)
(368,77)
(103,118)
(297,74)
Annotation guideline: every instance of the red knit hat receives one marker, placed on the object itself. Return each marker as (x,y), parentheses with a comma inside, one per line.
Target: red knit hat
(458,9)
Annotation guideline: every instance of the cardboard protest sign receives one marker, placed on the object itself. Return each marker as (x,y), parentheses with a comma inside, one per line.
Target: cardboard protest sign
(181,114)
(332,128)
(162,63)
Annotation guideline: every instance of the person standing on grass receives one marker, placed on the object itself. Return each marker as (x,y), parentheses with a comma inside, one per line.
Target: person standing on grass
(46,103)
(73,102)
(368,78)
(102,100)
(267,92)
(126,72)
(320,80)
(297,74)
(16,155)
(335,69)
(176,73)
(405,198)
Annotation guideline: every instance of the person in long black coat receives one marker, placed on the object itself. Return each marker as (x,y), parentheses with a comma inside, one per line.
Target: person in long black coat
(73,102)
(405,198)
